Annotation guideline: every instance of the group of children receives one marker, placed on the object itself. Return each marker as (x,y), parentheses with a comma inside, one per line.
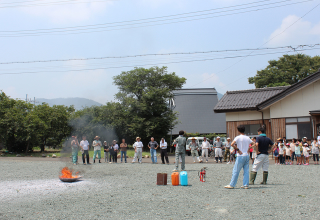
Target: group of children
(285,153)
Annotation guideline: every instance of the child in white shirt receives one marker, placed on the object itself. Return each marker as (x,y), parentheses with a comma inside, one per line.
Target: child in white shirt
(306,151)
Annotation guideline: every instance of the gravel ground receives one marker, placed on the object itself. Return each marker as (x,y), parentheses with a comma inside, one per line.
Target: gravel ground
(30,189)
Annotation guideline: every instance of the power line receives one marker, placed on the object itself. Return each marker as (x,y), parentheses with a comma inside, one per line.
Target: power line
(154,64)
(161,54)
(22,4)
(92,29)
(119,22)
(265,42)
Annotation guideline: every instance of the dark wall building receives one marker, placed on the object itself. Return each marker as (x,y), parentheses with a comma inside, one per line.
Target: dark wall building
(195,109)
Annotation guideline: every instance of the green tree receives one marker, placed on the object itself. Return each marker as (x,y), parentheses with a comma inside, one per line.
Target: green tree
(143,102)
(288,70)
(24,126)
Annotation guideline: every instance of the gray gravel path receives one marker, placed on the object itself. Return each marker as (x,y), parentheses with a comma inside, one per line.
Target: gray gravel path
(32,190)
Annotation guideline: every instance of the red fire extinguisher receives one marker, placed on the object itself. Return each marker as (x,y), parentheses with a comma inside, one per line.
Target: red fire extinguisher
(202,174)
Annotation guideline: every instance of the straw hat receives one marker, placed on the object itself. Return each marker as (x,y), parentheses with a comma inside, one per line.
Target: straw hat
(193,138)
(96,137)
(278,139)
(138,138)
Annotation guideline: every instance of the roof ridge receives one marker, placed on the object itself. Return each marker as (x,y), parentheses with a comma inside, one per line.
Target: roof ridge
(258,89)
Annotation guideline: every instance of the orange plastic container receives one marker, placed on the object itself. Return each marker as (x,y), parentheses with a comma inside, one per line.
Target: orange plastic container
(175,178)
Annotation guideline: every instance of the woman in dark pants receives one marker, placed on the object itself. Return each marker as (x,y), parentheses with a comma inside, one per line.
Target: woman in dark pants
(112,154)
(164,153)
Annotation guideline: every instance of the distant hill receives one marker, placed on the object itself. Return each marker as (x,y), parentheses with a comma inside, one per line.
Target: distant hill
(78,103)
(219,96)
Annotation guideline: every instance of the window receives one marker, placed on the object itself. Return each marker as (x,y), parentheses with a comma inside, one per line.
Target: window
(291,131)
(252,129)
(298,128)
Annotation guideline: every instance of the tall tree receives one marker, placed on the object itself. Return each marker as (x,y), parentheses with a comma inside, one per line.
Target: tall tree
(143,97)
(288,70)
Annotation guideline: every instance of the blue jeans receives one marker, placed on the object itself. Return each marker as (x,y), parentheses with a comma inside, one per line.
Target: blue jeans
(124,153)
(153,155)
(241,162)
(74,155)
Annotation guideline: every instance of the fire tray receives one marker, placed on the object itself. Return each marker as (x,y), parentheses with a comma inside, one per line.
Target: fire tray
(69,180)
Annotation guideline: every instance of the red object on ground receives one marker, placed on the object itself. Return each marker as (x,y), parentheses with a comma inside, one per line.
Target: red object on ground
(175,179)
(202,174)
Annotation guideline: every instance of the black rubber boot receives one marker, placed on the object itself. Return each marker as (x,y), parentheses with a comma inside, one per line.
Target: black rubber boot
(94,161)
(252,177)
(265,178)
(216,159)
(99,161)
(220,158)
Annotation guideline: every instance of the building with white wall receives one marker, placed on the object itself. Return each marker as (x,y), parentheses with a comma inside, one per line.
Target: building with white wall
(287,111)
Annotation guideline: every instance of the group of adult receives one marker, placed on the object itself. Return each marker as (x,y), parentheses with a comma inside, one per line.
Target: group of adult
(218,147)
(110,151)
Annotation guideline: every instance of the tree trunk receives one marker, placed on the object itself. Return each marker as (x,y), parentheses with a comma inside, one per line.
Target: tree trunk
(42,147)
(27,149)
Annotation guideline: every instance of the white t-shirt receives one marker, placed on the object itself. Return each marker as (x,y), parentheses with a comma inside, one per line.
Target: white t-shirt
(116,147)
(243,143)
(138,144)
(288,151)
(281,150)
(205,144)
(305,151)
(84,144)
(163,145)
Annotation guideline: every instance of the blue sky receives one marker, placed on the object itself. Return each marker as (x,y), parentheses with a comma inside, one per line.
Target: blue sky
(237,31)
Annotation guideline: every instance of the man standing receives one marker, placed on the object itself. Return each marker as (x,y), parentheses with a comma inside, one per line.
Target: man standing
(138,150)
(218,149)
(227,152)
(194,150)
(153,146)
(164,153)
(205,148)
(180,150)
(97,149)
(262,160)
(241,144)
(123,150)
(116,149)
(106,151)
(85,147)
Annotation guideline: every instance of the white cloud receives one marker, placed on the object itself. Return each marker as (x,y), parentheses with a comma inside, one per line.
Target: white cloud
(211,80)
(68,13)
(11,91)
(301,32)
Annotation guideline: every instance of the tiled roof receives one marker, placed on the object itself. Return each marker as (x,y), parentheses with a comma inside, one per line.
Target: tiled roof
(246,99)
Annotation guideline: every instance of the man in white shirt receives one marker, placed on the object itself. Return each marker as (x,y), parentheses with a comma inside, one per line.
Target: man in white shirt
(138,150)
(243,159)
(97,149)
(205,148)
(84,144)
(164,154)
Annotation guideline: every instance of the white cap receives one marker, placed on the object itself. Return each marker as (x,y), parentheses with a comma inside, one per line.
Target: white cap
(228,138)
(218,137)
